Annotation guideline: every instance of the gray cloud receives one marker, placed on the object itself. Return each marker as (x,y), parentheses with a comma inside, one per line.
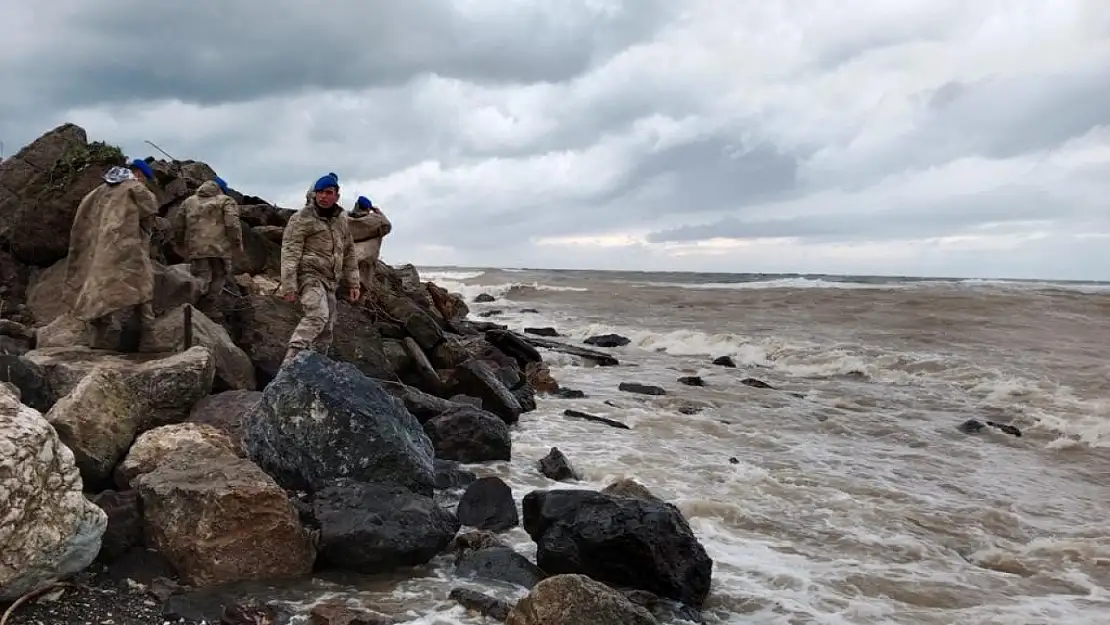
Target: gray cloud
(488,130)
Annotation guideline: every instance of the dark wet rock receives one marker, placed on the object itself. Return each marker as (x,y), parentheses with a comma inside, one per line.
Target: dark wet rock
(469,435)
(424,375)
(1005,428)
(546,331)
(339,613)
(488,504)
(419,325)
(477,378)
(734,460)
(371,528)
(641,389)
(974,426)
(500,564)
(481,603)
(622,541)
(485,298)
(514,345)
(725,361)
(664,610)
(320,420)
(525,396)
(31,380)
(538,375)
(423,406)
(449,475)
(474,540)
(449,354)
(585,416)
(691,410)
(491,313)
(577,600)
(631,489)
(225,412)
(125,524)
(754,383)
(467,400)
(691,380)
(569,393)
(601,359)
(608,340)
(556,466)
(527,311)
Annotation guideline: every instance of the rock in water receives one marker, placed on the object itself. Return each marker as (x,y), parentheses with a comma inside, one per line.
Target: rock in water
(48,529)
(577,600)
(620,541)
(477,378)
(222,520)
(371,528)
(556,466)
(488,504)
(319,420)
(468,434)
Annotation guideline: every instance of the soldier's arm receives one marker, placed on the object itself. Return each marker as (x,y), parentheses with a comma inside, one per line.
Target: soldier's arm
(350,260)
(232,224)
(292,248)
(148,207)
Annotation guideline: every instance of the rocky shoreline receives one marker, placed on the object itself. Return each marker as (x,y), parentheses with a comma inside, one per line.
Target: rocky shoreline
(178,484)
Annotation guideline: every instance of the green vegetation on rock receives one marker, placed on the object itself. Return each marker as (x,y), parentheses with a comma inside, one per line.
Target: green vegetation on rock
(79,158)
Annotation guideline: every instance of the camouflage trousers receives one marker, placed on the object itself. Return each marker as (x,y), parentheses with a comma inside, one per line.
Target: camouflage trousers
(211,273)
(316,326)
(122,330)
(366,274)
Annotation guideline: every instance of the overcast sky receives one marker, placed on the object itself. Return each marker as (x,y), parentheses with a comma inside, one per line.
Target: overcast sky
(922,137)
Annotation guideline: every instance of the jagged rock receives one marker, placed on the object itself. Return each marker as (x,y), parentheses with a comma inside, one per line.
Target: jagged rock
(468,434)
(488,504)
(356,429)
(478,379)
(98,420)
(222,520)
(225,411)
(169,384)
(556,466)
(234,369)
(577,600)
(621,541)
(425,374)
(629,488)
(501,564)
(194,442)
(30,379)
(373,528)
(418,324)
(125,523)
(641,389)
(481,603)
(40,188)
(450,306)
(267,324)
(608,340)
(50,531)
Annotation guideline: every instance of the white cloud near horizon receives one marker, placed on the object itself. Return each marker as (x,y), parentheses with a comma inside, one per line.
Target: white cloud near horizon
(814,136)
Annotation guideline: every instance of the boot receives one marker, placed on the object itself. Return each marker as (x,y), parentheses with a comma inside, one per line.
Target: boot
(290,354)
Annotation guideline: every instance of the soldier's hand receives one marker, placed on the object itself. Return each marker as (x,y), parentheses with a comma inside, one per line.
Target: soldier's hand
(291,297)
(353,293)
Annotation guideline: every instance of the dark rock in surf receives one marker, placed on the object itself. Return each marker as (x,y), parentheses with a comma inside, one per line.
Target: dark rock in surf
(621,541)
(532,311)
(546,331)
(641,389)
(569,393)
(585,416)
(691,380)
(483,604)
(320,420)
(485,298)
(725,361)
(608,340)
(477,378)
(556,466)
(974,426)
(370,528)
(515,346)
(754,383)
(501,564)
(601,359)
(449,476)
(467,434)
(488,504)
(491,313)
(1005,428)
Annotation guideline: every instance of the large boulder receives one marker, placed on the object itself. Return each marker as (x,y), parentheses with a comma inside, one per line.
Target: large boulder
(13,283)
(222,520)
(30,379)
(40,188)
(234,369)
(621,541)
(48,529)
(225,411)
(488,504)
(577,600)
(467,434)
(373,528)
(269,321)
(477,378)
(192,442)
(98,420)
(320,420)
(169,385)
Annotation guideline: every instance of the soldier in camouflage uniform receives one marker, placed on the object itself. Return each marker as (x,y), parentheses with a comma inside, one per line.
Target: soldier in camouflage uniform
(208,223)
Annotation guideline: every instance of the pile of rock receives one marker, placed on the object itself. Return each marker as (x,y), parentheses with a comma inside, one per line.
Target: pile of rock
(228,468)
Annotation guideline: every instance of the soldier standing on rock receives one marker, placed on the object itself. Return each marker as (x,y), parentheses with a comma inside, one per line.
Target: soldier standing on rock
(209,224)
(368,226)
(317,252)
(109,270)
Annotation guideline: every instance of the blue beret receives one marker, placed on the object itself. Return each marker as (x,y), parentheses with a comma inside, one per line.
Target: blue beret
(326,181)
(221,183)
(142,166)
(364,202)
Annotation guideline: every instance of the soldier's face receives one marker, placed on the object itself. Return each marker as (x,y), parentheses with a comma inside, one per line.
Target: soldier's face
(326,198)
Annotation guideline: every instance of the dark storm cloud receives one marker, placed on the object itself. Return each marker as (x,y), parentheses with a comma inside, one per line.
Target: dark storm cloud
(211,51)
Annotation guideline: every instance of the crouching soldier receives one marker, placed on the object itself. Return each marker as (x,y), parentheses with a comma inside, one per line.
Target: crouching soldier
(109,272)
(368,227)
(208,223)
(317,253)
